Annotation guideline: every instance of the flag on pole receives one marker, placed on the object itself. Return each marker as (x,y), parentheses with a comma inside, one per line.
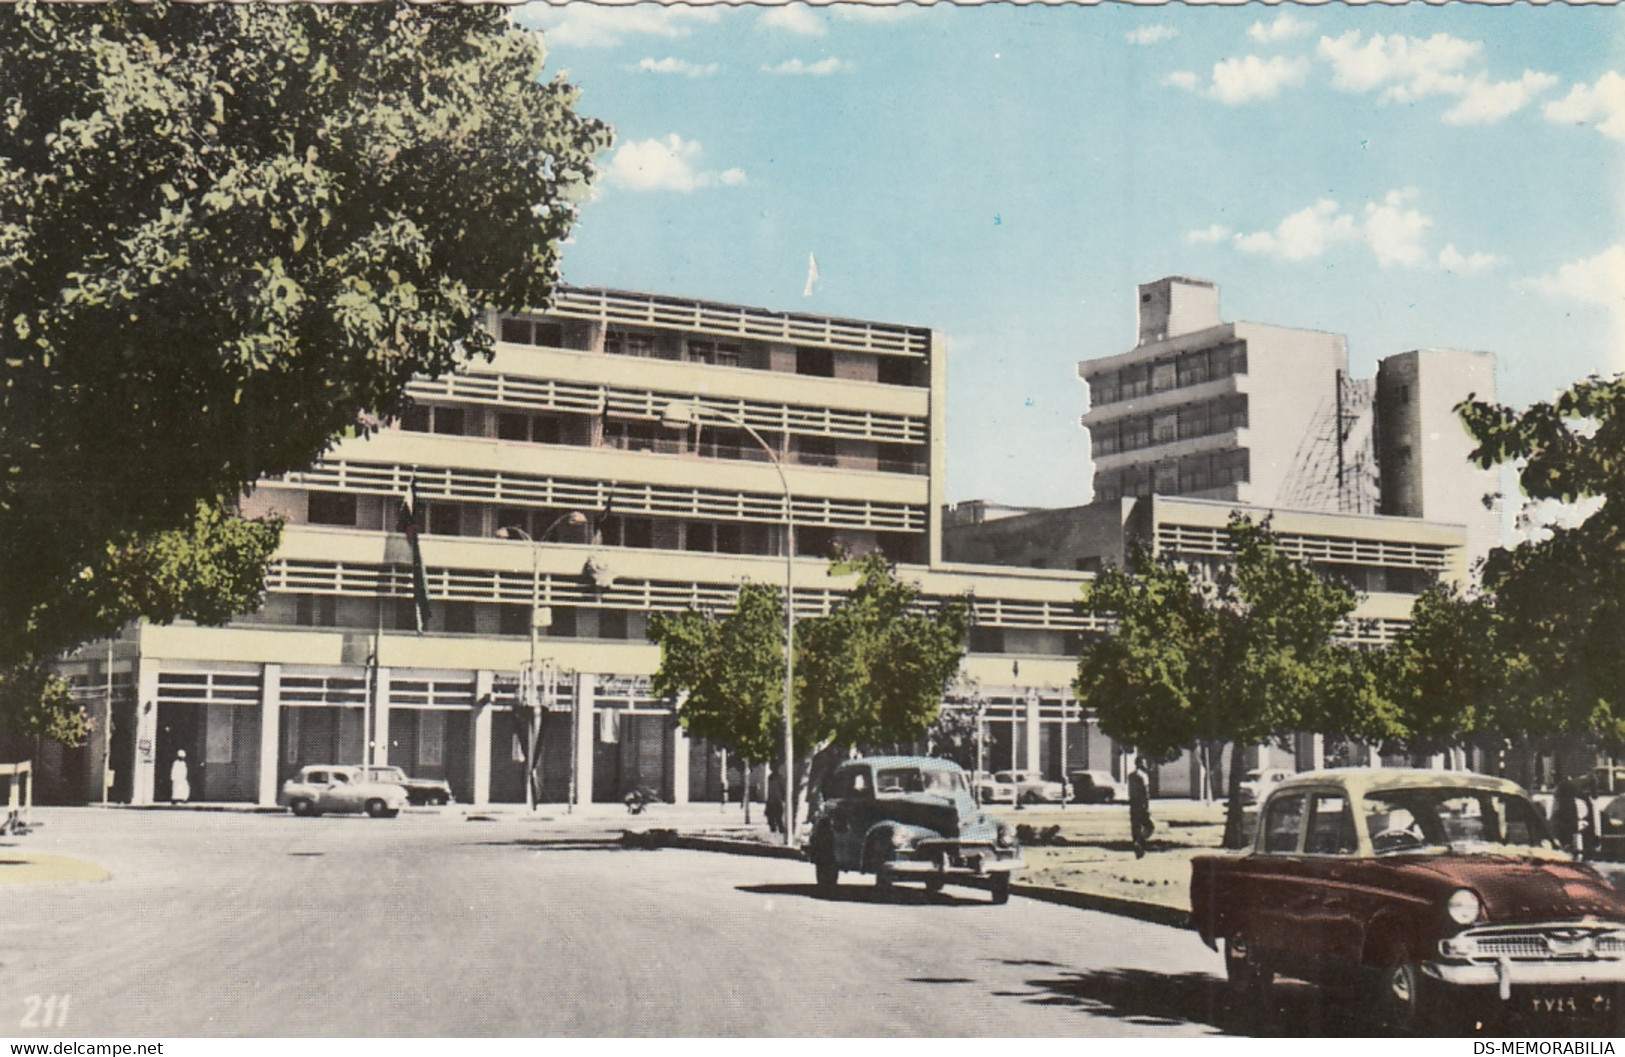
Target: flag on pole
(412,525)
(812,275)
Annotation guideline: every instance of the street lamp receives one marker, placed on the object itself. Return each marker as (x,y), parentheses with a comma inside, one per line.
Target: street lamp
(682,415)
(506,532)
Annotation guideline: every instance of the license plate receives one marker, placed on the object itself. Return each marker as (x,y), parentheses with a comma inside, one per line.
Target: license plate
(1568,1003)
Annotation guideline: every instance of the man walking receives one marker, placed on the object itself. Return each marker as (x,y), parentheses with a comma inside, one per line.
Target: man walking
(1139,807)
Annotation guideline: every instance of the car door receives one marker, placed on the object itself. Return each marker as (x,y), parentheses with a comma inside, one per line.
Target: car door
(1269,894)
(340,794)
(852,792)
(1331,894)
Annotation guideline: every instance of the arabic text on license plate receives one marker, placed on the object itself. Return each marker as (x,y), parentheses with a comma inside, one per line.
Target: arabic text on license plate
(1569,1003)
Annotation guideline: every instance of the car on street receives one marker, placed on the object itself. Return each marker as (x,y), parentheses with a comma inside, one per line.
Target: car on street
(1096,787)
(1433,894)
(997,788)
(1024,787)
(1256,785)
(419,791)
(333,788)
(910,818)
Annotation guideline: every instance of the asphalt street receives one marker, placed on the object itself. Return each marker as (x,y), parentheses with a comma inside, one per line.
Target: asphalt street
(225,924)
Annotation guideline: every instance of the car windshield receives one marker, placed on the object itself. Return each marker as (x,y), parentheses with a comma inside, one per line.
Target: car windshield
(917,780)
(1456,820)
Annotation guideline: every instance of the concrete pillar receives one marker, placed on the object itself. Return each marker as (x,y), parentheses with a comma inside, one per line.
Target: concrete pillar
(483,682)
(146,730)
(585,696)
(380,718)
(270,721)
(1035,731)
(679,762)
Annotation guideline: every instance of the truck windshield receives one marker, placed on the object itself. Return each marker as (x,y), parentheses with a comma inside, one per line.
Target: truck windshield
(1461,820)
(915,780)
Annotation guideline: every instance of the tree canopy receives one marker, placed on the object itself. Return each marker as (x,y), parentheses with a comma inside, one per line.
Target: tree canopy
(1234,650)
(230,233)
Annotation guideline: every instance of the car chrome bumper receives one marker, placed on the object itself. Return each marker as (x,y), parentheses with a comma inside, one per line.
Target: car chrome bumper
(916,868)
(1507,974)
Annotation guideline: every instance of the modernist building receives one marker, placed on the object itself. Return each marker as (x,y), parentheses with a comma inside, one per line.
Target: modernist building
(563,438)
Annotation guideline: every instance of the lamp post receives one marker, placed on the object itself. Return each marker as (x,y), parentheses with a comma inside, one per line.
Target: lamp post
(529,687)
(681,415)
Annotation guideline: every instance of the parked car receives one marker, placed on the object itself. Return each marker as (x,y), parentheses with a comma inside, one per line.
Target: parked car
(910,818)
(322,788)
(1096,787)
(999,788)
(1434,893)
(1027,787)
(418,790)
(1257,784)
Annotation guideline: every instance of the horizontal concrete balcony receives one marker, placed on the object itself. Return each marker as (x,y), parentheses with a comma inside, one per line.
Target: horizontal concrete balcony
(1170,451)
(1168,398)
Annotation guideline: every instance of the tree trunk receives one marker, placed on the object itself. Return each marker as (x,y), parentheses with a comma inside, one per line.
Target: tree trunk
(1234,828)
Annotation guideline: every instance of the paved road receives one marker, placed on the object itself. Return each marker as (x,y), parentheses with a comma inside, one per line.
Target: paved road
(429,924)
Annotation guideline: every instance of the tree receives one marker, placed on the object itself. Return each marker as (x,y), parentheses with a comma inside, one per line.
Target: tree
(871,672)
(1237,651)
(1556,604)
(230,234)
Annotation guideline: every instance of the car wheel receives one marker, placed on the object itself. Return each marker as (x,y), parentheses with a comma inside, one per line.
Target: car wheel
(1252,981)
(875,855)
(302,807)
(1030,797)
(1401,998)
(376,808)
(933,885)
(999,885)
(438,800)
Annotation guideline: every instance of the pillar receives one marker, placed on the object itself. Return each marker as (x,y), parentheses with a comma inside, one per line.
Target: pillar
(380,719)
(679,762)
(146,730)
(1035,732)
(270,740)
(585,696)
(483,683)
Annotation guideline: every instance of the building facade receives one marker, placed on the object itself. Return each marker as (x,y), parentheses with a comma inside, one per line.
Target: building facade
(568,438)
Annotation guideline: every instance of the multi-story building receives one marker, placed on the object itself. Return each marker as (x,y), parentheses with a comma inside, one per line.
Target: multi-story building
(562,438)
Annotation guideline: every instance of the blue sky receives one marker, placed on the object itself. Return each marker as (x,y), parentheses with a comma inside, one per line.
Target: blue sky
(1410,177)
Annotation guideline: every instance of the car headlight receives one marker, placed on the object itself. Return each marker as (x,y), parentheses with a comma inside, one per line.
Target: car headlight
(901,838)
(1464,906)
(1007,835)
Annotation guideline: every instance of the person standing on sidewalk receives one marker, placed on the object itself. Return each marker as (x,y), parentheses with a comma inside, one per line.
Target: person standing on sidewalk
(180,790)
(1139,807)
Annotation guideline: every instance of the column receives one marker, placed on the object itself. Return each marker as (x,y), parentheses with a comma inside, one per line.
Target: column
(585,696)
(679,762)
(483,682)
(146,730)
(270,740)
(1035,732)
(380,718)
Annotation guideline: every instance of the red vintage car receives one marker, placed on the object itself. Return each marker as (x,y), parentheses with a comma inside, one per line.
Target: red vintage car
(1435,895)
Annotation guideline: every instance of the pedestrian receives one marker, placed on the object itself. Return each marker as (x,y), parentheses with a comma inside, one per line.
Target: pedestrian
(775,801)
(1566,815)
(180,791)
(1139,807)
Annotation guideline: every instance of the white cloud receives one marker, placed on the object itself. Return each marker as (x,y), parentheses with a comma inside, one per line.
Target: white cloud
(1304,234)
(1603,102)
(794,18)
(1285,27)
(1453,260)
(1182,79)
(1151,34)
(1216,233)
(1598,280)
(1394,232)
(1485,102)
(871,12)
(682,66)
(594,26)
(1408,69)
(1243,80)
(821,68)
(670,164)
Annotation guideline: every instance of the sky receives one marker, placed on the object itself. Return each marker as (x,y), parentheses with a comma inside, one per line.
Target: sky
(1410,177)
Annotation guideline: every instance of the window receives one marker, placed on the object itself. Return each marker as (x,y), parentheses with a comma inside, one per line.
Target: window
(1164,376)
(1331,826)
(815,451)
(513,518)
(1090,564)
(612,624)
(431,738)
(619,341)
(222,725)
(316,611)
(699,536)
(332,508)
(818,363)
(730,539)
(290,753)
(516,331)
(564,622)
(984,639)
(550,334)
(513,620)
(513,426)
(1165,428)
(445,519)
(460,617)
(415,419)
(896,370)
(449,420)
(1282,821)
(720,354)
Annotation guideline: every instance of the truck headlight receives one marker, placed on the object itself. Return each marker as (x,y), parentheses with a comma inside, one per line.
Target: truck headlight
(1464,906)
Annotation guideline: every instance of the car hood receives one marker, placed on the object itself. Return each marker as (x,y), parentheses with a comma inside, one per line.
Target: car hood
(1516,889)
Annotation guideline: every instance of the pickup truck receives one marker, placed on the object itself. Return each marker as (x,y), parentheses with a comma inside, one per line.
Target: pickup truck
(1433,894)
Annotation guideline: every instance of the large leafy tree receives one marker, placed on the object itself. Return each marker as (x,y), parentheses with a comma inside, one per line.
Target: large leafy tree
(1556,604)
(1233,651)
(230,233)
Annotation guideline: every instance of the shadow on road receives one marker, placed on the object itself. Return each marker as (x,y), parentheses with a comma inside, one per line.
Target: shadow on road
(897,895)
(1141,997)
(564,844)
